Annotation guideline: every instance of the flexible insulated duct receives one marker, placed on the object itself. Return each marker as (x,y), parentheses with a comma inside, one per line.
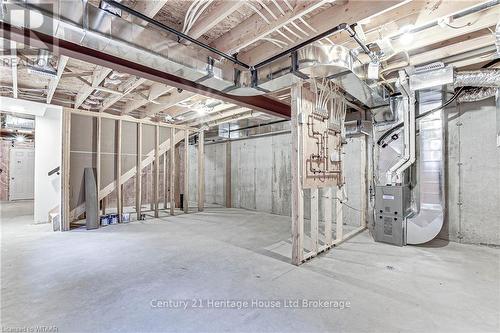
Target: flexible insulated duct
(478,78)
(477,94)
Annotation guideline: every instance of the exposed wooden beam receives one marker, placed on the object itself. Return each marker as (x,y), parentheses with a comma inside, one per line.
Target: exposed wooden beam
(155,91)
(125,88)
(254,28)
(84,53)
(482,20)
(350,12)
(167,101)
(451,50)
(218,108)
(63,60)
(98,76)
(388,25)
(216,116)
(149,8)
(240,116)
(214,16)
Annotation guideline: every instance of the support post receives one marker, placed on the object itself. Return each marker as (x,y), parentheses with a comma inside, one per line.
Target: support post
(156,180)
(201,170)
(98,164)
(186,171)
(165,181)
(65,170)
(104,204)
(314,219)
(138,175)
(364,189)
(327,209)
(119,185)
(229,203)
(172,171)
(340,219)
(297,191)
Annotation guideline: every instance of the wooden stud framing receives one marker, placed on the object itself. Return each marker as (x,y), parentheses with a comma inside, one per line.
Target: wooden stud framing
(227,182)
(65,170)
(104,204)
(165,181)
(98,162)
(186,171)
(172,171)
(327,209)
(156,180)
(119,185)
(129,119)
(297,191)
(138,175)
(300,100)
(364,191)
(340,219)
(314,219)
(201,170)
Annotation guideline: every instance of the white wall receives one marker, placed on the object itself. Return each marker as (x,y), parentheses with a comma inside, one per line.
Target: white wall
(47,157)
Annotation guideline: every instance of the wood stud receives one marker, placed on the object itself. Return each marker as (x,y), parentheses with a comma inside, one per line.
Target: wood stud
(138,175)
(156,179)
(201,170)
(119,185)
(186,172)
(172,171)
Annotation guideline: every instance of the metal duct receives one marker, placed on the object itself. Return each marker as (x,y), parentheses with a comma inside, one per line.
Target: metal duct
(478,78)
(97,29)
(477,94)
(427,218)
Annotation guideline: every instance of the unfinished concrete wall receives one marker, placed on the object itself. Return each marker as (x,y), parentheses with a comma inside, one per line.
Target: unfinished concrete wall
(215,173)
(261,176)
(473,174)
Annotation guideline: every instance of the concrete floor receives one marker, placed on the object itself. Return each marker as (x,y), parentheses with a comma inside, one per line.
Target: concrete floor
(105,280)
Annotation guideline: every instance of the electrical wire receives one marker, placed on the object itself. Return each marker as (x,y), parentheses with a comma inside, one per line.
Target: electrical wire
(448,102)
(398,126)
